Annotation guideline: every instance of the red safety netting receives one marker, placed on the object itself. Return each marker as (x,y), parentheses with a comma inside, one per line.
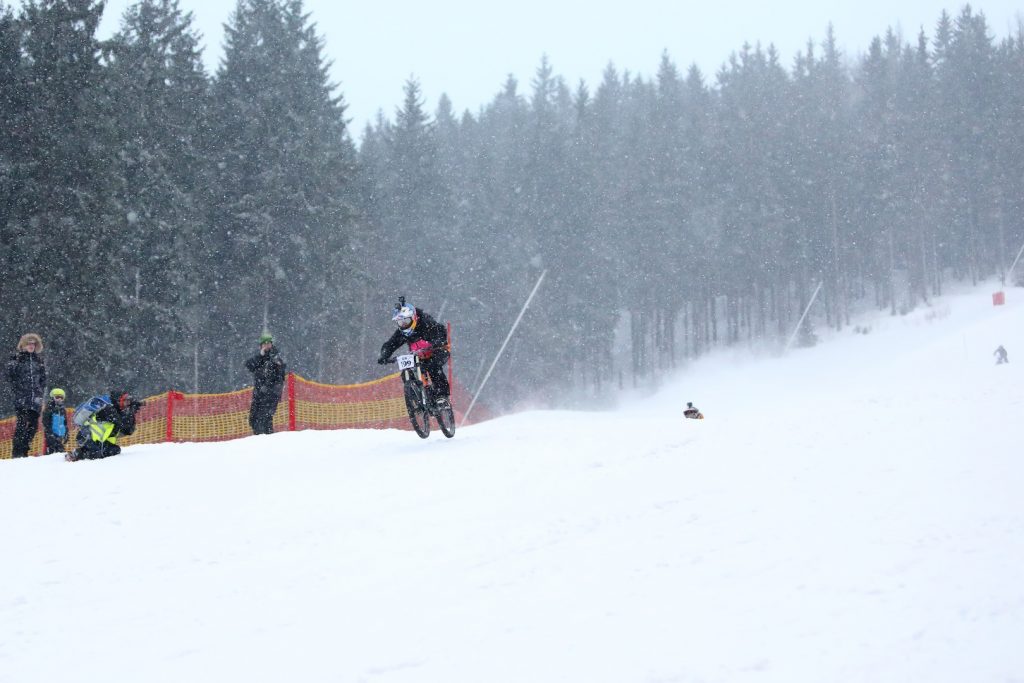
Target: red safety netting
(175,416)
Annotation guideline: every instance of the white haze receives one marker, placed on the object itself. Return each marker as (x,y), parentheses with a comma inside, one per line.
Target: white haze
(851,512)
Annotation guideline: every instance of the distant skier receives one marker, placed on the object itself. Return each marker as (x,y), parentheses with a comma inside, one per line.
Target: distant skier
(425,336)
(692,413)
(55,423)
(102,419)
(1001,356)
(268,369)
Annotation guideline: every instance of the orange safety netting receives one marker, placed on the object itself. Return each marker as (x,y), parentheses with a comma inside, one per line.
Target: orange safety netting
(174,416)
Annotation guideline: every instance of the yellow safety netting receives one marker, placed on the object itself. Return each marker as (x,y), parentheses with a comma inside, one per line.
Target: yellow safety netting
(174,416)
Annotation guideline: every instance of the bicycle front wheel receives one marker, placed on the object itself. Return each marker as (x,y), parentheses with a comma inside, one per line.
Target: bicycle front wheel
(418,414)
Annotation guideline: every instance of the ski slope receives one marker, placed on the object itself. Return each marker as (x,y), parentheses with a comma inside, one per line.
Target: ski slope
(850,512)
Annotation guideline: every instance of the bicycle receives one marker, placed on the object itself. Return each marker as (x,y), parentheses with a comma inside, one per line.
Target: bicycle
(420,400)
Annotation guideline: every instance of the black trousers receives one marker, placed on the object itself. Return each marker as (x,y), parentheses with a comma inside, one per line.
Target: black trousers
(95,450)
(55,444)
(435,368)
(261,412)
(24,431)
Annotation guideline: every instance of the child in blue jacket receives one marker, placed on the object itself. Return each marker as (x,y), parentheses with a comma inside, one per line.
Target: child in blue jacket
(55,423)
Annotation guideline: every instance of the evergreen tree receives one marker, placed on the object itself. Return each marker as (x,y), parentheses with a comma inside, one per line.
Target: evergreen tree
(159,95)
(278,257)
(57,275)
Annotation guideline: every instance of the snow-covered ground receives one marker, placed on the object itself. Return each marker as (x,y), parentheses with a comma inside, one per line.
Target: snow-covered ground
(851,512)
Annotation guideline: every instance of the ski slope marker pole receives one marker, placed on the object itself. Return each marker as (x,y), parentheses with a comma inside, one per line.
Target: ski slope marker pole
(801,321)
(465,416)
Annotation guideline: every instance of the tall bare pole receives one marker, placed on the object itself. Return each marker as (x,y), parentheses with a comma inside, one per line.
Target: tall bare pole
(801,321)
(465,416)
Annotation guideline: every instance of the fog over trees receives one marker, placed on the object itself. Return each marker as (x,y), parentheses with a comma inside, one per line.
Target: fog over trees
(155,218)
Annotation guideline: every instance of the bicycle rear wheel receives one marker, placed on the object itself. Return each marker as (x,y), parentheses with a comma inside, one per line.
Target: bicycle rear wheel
(418,414)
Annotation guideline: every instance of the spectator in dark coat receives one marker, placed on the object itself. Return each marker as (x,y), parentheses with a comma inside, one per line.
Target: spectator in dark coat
(55,423)
(416,326)
(97,437)
(26,372)
(268,369)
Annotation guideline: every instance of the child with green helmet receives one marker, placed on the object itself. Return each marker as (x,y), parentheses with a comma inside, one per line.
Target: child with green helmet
(55,423)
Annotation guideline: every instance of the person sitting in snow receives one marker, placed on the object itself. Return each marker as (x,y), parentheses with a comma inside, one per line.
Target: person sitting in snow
(1001,356)
(97,436)
(55,423)
(692,413)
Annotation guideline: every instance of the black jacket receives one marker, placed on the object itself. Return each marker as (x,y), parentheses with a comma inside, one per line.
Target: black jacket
(123,421)
(27,374)
(268,371)
(426,329)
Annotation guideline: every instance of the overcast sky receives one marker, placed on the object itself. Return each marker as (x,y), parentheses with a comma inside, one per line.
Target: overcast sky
(467,48)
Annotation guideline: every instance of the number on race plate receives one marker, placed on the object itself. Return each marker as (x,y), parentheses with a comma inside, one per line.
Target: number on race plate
(406,362)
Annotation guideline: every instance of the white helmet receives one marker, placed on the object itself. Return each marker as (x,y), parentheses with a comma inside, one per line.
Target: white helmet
(405,317)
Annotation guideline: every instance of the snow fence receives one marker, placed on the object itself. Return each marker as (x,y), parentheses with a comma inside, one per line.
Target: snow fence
(178,417)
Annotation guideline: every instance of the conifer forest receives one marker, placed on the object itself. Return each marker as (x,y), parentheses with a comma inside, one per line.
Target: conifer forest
(155,218)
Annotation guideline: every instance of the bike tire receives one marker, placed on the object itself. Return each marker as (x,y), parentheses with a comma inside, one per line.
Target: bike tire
(418,414)
(446,421)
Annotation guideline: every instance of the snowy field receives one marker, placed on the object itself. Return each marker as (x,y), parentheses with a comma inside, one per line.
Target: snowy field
(851,512)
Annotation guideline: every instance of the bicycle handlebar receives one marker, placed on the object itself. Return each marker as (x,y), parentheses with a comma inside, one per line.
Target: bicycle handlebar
(419,354)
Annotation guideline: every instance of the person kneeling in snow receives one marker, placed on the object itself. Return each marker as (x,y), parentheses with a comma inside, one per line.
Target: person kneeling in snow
(97,433)
(692,412)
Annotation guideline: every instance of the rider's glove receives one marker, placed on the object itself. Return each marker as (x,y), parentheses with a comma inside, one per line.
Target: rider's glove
(382,361)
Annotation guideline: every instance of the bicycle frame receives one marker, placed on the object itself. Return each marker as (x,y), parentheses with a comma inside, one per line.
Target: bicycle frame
(412,371)
(419,390)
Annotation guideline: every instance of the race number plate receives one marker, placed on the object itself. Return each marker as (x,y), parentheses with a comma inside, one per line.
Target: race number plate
(406,362)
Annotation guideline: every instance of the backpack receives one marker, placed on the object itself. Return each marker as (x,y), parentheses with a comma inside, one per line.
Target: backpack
(90,408)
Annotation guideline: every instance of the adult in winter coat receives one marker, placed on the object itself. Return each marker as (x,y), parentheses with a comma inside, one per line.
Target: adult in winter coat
(414,328)
(97,438)
(55,423)
(268,369)
(26,372)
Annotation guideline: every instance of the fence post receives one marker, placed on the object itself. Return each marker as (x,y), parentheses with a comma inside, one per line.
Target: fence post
(451,362)
(169,432)
(68,414)
(291,401)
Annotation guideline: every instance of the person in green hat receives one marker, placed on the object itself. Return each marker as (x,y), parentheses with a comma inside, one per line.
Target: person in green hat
(268,370)
(55,423)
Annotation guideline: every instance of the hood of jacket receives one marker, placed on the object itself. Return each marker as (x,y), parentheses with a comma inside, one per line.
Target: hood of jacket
(30,337)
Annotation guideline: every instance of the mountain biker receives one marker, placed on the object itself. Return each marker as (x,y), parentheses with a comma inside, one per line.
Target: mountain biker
(692,413)
(414,328)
